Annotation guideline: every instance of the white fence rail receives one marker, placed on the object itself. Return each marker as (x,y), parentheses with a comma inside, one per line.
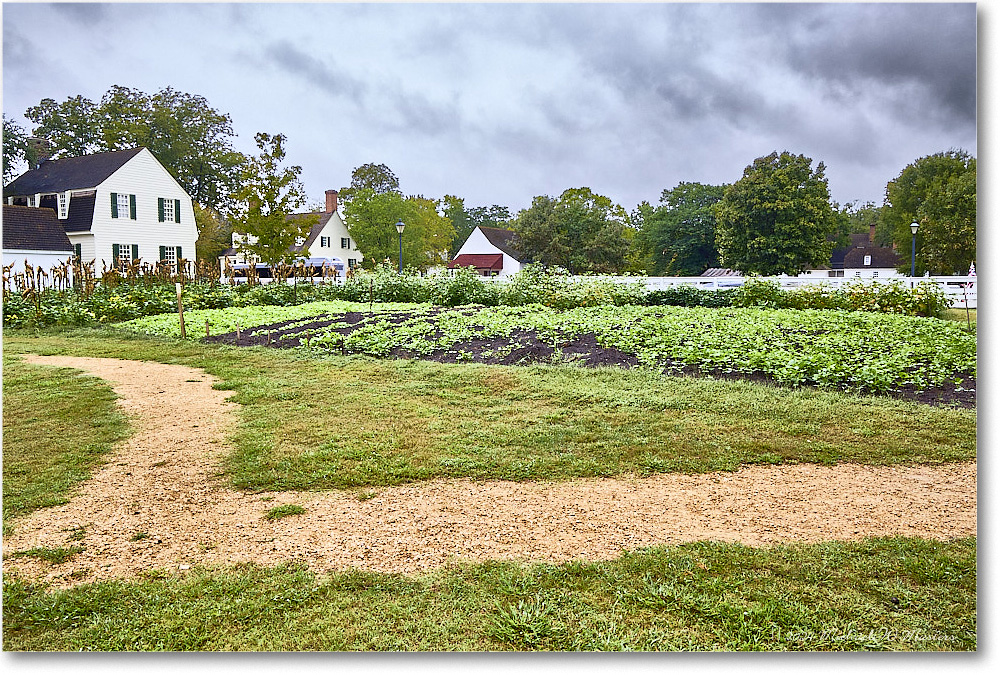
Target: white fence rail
(960,290)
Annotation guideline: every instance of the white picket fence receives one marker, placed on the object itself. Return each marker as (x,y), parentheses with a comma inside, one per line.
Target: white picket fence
(960,290)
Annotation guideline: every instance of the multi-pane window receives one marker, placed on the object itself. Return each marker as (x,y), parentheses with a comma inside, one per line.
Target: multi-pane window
(170,255)
(123,254)
(324,242)
(63,204)
(352,263)
(168,210)
(345,242)
(31,200)
(122,206)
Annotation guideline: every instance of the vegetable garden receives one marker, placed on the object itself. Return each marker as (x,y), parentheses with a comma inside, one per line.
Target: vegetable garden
(928,359)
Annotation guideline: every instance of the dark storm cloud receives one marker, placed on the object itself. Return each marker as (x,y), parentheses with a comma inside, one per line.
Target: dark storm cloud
(313,71)
(921,56)
(86,13)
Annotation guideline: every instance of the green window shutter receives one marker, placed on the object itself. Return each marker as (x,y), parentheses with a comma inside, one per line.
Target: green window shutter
(163,253)
(179,256)
(177,210)
(159,209)
(135,252)
(78,250)
(114,254)
(114,205)
(131,206)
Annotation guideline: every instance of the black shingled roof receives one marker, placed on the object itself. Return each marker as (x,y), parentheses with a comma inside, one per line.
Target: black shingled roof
(505,240)
(72,173)
(29,228)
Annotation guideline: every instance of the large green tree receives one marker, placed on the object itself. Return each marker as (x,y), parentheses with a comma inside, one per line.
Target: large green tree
(374,205)
(778,218)
(268,194)
(16,149)
(678,237)
(939,193)
(191,139)
(580,231)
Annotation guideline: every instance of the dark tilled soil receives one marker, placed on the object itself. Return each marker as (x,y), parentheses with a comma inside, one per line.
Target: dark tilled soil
(529,349)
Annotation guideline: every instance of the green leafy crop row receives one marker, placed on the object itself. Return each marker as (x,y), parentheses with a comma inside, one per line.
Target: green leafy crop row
(850,350)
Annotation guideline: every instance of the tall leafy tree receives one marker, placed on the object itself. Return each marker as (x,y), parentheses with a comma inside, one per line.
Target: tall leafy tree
(16,149)
(778,218)
(374,205)
(939,193)
(678,237)
(269,193)
(581,231)
(191,139)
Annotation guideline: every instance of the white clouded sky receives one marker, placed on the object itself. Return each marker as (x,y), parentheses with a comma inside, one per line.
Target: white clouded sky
(499,103)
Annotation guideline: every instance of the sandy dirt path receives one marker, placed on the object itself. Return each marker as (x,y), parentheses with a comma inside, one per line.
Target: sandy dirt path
(164,481)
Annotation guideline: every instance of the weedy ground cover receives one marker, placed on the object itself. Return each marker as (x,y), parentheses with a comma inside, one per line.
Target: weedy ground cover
(876,594)
(311,421)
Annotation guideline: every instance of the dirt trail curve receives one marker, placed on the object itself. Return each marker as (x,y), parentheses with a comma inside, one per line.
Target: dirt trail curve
(164,481)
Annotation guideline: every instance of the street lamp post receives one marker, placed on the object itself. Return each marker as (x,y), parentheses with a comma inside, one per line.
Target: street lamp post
(913,248)
(399,228)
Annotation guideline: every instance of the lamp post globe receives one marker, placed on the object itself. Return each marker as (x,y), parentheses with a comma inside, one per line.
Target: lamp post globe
(914,226)
(399,228)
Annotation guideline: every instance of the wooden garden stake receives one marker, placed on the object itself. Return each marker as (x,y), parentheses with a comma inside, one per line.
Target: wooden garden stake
(206,328)
(180,309)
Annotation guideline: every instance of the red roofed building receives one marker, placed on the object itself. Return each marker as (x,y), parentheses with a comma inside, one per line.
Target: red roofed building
(491,251)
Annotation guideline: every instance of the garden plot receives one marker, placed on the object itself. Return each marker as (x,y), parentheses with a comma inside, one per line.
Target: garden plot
(928,360)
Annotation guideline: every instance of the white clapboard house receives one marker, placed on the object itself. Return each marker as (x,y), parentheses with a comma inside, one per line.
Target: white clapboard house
(33,236)
(115,207)
(328,244)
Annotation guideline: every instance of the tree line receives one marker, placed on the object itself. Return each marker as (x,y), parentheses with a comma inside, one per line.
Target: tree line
(777,218)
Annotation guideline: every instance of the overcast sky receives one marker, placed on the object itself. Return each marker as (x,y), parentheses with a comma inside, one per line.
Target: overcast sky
(498,103)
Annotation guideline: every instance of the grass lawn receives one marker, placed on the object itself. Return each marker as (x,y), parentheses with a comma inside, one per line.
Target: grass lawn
(56,426)
(345,422)
(342,422)
(878,594)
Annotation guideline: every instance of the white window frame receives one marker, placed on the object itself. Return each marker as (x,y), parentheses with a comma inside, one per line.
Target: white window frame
(63,204)
(124,253)
(31,200)
(124,210)
(324,242)
(168,210)
(868,260)
(345,242)
(170,256)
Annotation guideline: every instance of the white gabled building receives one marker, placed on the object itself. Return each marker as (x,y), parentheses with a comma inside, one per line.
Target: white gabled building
(490,251)
(115,207)
(33,236)
(327,244)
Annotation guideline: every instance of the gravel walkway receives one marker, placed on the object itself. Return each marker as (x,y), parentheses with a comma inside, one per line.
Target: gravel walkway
(164,481)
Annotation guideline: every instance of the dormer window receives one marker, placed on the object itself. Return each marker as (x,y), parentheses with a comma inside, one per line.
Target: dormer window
(868,260)
(63,204)
(31,200)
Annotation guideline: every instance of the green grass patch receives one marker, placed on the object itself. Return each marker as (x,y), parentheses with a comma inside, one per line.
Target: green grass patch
(284,511)
(311,422)
(56,556)
(57,424)
(876,594)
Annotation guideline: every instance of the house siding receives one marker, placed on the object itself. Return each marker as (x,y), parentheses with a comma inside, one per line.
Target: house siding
(144,177)
(336,230)
(478,243)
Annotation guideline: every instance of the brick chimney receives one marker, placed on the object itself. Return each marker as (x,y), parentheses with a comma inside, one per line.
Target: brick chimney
(871,234)
(331,201)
